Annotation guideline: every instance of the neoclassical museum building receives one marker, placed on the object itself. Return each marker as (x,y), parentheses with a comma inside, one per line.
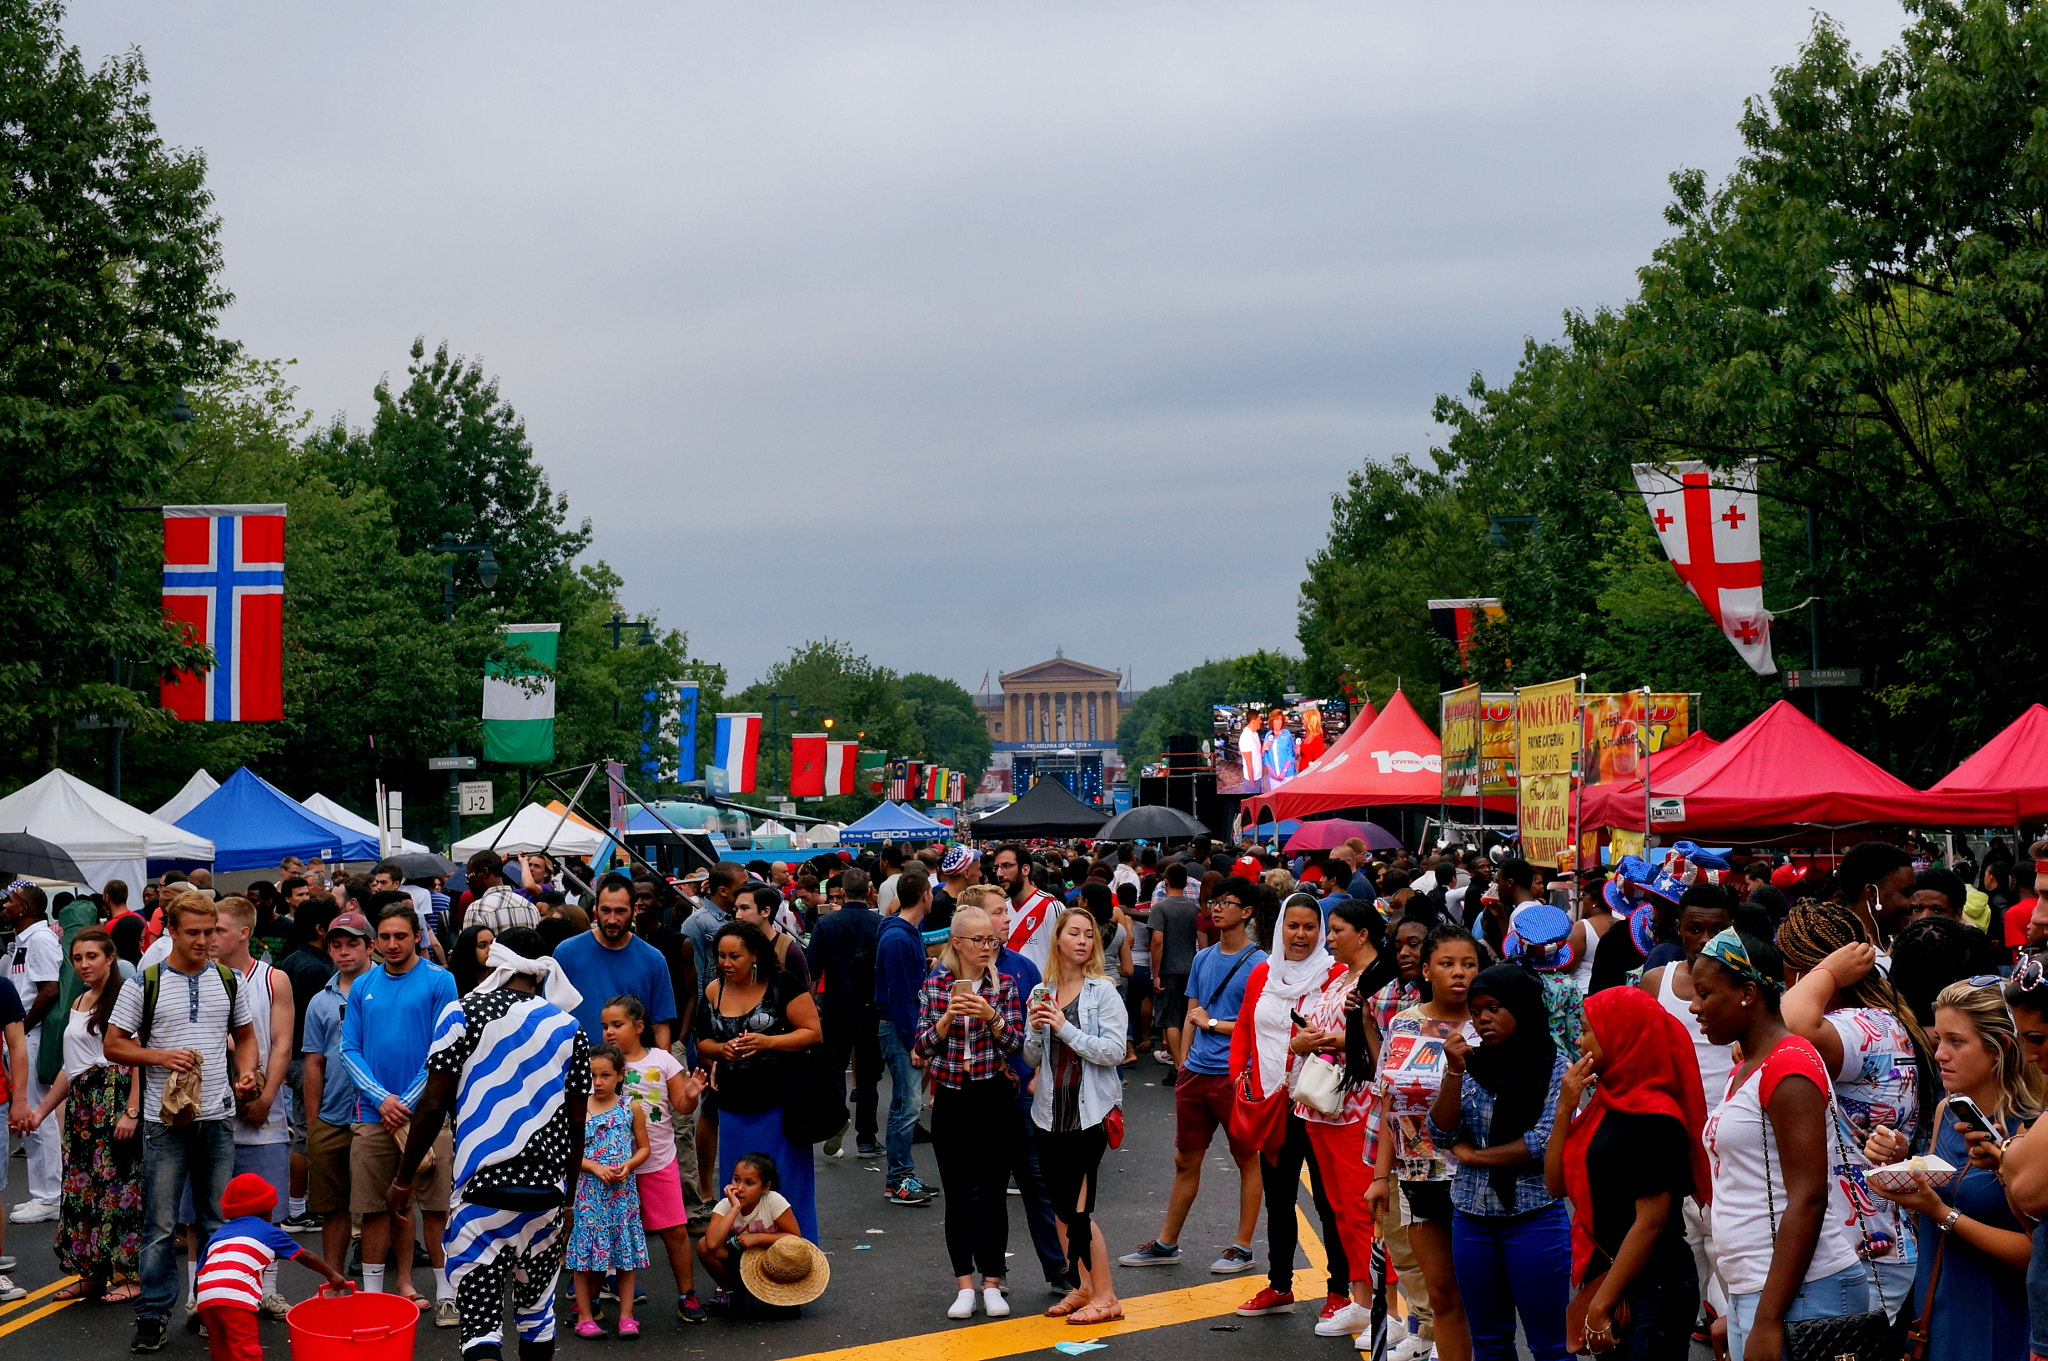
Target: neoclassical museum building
(1055,718)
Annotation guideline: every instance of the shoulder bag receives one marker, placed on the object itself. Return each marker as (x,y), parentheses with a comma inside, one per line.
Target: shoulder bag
(1867,1336)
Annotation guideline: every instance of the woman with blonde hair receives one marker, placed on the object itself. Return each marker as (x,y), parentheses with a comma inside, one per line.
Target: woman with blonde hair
(1970,1294)
(1075,1039)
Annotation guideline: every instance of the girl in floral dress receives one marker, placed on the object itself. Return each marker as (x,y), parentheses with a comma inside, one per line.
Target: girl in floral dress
(607,1236)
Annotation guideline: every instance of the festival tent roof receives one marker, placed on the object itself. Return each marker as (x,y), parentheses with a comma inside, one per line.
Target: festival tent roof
(190,797)
(323,807)
(893,822)
(53,810)
(2014,763)
(254,825)
(1045,809)
(534,828)
(1782,770)
(1397,761)
(1602,802)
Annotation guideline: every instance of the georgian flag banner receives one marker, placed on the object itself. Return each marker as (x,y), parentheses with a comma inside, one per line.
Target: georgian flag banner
(842,761)
(735,750)
(224,581)
(1707,522)
(519,723)
(807,753)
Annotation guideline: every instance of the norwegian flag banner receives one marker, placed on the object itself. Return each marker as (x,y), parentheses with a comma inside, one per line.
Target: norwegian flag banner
(807,765)
(1707,522)
(224,581)
(738,742)
(842,761)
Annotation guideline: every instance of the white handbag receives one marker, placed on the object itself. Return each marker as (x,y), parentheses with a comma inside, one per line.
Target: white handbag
(1320,1087)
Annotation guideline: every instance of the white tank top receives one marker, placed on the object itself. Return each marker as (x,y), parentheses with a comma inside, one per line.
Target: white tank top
(1582,974)
(259,985)
(1716,1060)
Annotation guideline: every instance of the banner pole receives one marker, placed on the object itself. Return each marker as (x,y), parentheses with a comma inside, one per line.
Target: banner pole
(1643,741)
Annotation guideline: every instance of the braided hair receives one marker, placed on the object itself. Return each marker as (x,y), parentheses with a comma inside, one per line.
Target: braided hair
(1814,930)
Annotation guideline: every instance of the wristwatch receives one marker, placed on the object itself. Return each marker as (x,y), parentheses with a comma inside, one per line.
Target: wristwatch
(1948,1224)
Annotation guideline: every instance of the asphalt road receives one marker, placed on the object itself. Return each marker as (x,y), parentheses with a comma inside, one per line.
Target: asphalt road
(890,1281)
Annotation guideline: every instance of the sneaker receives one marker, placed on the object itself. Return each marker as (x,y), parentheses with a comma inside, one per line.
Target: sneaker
(1267,1301)
(149,1335)
(446,1314)
(274,1305)
(589,1330)
(304,1222)
(1352,1318)
(690,1309)
(867,1149)
(836,1145)
(1414,1347)
(6,1262)
(909,1191)
(8,1289)
(992,1302)
(1162,1058)
(1154,1253)
(720,1299)
(1233,1260)
(33,1212)
(1333,1303)
(962,1305)
(192,1323)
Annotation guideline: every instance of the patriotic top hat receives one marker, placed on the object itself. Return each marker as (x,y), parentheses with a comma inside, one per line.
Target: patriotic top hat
(1541,938)
(1685,865)
(1631,871)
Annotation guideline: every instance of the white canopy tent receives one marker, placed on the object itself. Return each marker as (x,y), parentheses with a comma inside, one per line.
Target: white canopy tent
(532,828)
(190,797)
(322,806)
(108,839)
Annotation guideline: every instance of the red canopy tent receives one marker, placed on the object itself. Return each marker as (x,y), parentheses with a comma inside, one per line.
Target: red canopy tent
(1397,761)
(1783,770)
(1600,800)
(2013,764)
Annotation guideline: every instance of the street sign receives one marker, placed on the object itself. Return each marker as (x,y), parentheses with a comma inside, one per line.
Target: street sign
(474,798)
(1667,809)
(451,763)
(785,808)
(1825,678)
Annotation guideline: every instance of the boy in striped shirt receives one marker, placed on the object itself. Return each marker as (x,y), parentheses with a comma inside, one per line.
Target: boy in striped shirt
(231,1271)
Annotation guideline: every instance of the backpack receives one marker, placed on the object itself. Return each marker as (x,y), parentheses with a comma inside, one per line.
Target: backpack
(152,985)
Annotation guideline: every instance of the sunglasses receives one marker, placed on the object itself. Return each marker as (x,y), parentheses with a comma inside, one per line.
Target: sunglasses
(2029,974)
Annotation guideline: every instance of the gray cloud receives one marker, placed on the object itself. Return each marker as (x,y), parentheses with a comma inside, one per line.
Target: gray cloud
(957,331)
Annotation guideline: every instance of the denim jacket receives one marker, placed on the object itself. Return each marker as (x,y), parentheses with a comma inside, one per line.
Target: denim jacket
(1099,1042)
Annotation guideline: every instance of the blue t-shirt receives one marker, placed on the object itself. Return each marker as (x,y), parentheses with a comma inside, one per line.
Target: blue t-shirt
(1209,1052)
(399,1010)
(601,973)
(323,1037)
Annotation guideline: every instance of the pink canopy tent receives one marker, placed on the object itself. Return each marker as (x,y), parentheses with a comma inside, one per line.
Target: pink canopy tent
(1784,770)
(1395,762)
(2013,765)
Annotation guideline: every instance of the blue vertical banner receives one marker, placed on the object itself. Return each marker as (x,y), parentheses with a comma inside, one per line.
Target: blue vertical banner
(686,732)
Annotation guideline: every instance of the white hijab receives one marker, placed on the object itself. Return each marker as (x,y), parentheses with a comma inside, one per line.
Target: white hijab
(1287,982)
(554,979)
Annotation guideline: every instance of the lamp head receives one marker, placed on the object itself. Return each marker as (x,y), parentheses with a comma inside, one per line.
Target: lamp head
(487,568)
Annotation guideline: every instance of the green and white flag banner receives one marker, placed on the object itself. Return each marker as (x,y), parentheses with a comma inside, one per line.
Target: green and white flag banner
(519,721)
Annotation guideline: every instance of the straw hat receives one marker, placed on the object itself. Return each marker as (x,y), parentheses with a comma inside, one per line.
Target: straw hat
(787,1271)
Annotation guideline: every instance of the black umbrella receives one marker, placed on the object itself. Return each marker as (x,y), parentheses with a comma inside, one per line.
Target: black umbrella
(423,865)
(1152,822)
(21,853)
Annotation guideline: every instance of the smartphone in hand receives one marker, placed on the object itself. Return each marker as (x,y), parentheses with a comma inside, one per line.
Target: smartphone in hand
(1971,1115)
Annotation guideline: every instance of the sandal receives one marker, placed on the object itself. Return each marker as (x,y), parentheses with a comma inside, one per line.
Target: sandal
(122,1293)
(80,1290)
(1099,1314)
(1073,1300)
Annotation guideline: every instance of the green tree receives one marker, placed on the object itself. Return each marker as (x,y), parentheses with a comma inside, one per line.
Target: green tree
(1185,705)
(949,728)
(109,305)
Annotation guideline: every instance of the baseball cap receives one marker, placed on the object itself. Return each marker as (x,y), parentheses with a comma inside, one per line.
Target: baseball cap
(352,922)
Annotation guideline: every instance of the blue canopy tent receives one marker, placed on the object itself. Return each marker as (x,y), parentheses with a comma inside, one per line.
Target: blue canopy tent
(253,825)
(894,822)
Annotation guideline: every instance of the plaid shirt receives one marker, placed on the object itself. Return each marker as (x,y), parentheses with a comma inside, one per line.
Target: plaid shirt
(971,1050)
(1472,1187)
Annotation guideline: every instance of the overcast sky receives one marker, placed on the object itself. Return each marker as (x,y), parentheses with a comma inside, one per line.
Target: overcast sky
(957,331)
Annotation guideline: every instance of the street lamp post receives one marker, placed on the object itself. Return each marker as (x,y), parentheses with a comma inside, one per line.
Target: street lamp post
(487,577)
(617,625)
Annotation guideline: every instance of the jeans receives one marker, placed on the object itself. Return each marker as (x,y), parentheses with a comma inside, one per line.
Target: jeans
(1846,1292)
(903,1091)
(1510,1264)
(204,1153)
(1032,1190)
(1663,1301)
(853,1034)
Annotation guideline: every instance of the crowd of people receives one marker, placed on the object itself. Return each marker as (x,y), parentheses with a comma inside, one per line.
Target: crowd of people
(1628,1110)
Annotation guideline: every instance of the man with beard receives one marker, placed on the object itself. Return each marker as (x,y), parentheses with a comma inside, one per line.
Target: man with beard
(1031,910)
(609,961)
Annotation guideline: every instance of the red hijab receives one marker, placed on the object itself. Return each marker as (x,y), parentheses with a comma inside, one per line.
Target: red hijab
(1647,1067)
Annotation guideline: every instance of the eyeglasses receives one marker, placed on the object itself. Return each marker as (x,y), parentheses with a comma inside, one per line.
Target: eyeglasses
(1984,980)
(1226,902)
(986,942)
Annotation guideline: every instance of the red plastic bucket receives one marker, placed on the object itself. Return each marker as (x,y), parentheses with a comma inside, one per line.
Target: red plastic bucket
(349,1326)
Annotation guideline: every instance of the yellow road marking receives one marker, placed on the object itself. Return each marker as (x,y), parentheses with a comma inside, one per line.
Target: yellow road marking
(26,1300)
(42,1313)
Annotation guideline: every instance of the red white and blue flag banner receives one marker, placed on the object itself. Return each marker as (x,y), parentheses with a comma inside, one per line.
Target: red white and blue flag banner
(807,765)
(1707,522)
(737,746)
(842,761)
(899,775)
(224,581)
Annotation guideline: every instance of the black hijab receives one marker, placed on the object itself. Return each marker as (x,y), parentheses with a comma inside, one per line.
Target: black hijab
(1516,1072)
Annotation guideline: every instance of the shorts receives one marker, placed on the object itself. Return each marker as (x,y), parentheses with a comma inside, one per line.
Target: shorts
(1172,1007)
(661,1199)
(1201,1103)
(1428,1201)
(327,1153)
(295,1083)
(373,1166)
